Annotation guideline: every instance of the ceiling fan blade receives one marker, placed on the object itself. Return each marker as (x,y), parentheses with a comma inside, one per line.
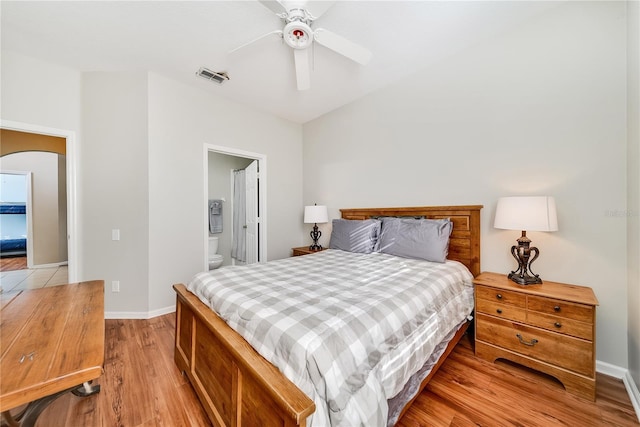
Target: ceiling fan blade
(274,5)
(279,32)
(342,46)
(303,71)
(318,8)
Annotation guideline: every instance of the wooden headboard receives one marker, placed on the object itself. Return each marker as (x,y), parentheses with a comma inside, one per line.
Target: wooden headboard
(464,244)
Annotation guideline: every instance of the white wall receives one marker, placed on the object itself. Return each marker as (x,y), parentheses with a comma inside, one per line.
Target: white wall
(140,157)
(182,119)
(27,97)
(114,170)
(633,180)
(52,102)
(540,110)
(62,207)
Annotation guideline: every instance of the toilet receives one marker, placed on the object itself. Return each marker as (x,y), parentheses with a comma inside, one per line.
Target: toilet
(215,259)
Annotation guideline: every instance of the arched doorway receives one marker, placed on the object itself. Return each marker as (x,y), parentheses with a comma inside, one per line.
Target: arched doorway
(19,139)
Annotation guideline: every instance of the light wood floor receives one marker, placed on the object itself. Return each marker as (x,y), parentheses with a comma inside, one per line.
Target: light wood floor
(142,387)
(13,263)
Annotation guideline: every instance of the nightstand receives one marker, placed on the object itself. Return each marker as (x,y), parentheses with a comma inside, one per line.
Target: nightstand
(304,250)
(549,327)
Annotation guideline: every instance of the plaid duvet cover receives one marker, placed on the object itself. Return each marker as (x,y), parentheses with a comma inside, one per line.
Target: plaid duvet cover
(348,329)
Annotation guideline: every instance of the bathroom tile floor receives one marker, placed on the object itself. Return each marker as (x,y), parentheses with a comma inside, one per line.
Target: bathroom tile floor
(17,280)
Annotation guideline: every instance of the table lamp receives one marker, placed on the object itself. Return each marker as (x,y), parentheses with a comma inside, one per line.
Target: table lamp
(537,213)
(315,215)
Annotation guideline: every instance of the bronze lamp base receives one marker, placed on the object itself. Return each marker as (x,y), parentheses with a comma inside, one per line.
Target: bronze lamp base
(522,253)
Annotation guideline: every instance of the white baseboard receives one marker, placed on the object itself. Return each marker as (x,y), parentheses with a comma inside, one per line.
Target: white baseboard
(627,379)
(139,314)
(162,311)
(634,395)
(610,370)
(52,265)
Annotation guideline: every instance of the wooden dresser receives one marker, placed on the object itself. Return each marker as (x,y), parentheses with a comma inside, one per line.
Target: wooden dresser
(548,327)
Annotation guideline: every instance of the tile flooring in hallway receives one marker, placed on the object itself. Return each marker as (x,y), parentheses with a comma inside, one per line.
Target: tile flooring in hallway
(17,280)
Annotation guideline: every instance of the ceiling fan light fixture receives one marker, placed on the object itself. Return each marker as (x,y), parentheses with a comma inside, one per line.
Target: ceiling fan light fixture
(298,35)
(215,76)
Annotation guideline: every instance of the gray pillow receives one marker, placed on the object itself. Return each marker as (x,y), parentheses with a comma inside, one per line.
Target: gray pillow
(426,239)
(360,236)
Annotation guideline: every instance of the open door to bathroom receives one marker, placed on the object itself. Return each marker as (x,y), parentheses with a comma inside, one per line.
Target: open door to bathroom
(252,213)
(245,246)
(221,166)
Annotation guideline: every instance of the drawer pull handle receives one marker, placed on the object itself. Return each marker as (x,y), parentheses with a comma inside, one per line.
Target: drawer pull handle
(499,296)
(499,311)
(530,343)
(556,308)
(558,325)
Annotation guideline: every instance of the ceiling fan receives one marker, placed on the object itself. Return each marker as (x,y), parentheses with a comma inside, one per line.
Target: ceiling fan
(300,36)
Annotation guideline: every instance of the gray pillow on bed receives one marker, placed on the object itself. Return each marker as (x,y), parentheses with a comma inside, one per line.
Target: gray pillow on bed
(426,239)
(360,236)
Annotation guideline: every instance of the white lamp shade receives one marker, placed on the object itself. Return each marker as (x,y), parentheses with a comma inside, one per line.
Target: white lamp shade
(315,214)
(536,213)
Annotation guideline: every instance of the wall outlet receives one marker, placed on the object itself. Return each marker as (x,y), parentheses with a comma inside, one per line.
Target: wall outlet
(115,286)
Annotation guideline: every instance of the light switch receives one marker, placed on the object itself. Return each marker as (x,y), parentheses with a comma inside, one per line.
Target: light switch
(115,234)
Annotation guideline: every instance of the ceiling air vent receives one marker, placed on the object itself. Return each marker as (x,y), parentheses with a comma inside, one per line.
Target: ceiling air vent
(206,73)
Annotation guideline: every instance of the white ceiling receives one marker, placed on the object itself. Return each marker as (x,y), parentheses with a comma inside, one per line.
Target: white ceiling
(176,38)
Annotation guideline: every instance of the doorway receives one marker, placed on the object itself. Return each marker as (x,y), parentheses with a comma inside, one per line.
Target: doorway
(15,218)
(220,166)
(37,138)
(34,207)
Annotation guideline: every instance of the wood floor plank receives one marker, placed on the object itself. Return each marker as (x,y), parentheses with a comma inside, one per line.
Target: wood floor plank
(487,408)
(439,414)
(141,387)
(518,396)
(13,263)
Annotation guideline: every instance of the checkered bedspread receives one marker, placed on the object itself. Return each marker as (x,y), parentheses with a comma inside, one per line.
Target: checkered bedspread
(336,323)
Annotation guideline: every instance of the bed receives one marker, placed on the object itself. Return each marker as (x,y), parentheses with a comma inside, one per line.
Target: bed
(13,241)
(238,386)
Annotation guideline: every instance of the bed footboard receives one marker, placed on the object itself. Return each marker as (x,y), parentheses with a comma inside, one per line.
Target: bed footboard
(235,385)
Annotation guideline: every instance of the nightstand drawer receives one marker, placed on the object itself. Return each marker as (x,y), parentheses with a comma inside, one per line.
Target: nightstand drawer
(501,310)
(560,350)
(304,250)
(502,296)
(561,325)
(584,313)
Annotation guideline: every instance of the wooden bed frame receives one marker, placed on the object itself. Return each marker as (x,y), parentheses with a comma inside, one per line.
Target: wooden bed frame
(237,386)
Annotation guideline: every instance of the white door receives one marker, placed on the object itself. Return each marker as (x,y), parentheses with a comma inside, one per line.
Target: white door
(252,218)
